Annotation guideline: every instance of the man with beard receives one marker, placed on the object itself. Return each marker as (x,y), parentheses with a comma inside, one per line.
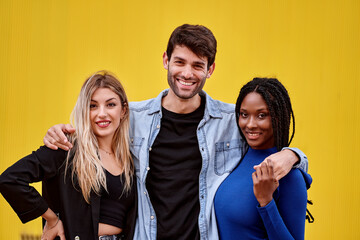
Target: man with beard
(183,144)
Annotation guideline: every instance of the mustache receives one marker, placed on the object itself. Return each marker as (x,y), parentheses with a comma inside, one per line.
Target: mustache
(184,78)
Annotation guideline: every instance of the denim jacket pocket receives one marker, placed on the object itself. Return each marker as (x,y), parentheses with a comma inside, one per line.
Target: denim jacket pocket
(227,155)
(135,146)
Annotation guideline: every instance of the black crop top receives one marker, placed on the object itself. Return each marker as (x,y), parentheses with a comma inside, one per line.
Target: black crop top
(115,203)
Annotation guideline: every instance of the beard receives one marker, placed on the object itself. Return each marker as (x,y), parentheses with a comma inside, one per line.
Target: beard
(181,93)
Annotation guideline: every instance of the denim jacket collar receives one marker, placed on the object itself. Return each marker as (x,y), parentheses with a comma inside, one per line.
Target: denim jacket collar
(211,106)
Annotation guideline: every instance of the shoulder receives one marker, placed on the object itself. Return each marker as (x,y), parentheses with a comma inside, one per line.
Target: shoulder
(47,155)
(218,107)
(152,105)
(296,178)
(141,105)
(224,107)
(43,150)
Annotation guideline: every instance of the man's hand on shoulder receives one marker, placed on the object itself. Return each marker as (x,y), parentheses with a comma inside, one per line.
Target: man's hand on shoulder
(55,137)
(283,162)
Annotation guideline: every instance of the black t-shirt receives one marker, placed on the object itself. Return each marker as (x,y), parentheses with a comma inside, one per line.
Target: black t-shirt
(173,179)
(115,203)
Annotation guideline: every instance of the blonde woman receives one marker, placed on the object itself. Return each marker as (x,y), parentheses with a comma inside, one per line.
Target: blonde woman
(88,191)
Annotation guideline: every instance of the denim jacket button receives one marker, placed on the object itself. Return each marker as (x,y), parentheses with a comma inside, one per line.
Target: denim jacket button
(152,217)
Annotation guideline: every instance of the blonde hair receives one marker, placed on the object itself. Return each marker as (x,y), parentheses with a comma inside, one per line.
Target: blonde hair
(86,164)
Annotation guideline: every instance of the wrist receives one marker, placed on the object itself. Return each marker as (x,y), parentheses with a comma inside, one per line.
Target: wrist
(52,221)
(293,156)
(264,202)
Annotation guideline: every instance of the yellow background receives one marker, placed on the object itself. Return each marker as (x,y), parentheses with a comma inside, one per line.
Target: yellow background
(48,48)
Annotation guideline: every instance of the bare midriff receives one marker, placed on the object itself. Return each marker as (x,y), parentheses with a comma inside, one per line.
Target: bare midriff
(106,229)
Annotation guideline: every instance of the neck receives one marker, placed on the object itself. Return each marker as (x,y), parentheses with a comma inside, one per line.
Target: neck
(105,144)
(173,103)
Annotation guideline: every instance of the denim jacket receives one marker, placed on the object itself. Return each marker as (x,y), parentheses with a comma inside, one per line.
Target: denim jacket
(221,148)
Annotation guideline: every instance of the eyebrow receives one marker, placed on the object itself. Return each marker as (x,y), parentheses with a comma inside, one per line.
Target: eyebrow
(258,110)
(105,101)
(196,62)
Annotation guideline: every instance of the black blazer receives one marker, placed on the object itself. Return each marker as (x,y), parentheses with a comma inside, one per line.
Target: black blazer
(80,219)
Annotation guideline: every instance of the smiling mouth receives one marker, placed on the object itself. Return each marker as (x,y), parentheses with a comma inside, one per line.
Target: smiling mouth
(103,124)
(252,135)
(182,82)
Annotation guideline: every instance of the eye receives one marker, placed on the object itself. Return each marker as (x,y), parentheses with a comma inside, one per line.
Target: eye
(262,115)
(199,67)
(243,115)
(111,104)
(92,106)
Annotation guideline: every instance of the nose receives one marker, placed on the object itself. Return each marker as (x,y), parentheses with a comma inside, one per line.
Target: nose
(102,112)
(251,123)
(187,72)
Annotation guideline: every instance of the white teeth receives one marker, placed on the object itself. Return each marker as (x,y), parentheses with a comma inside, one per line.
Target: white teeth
(103,123)
(185,83)
(253,134)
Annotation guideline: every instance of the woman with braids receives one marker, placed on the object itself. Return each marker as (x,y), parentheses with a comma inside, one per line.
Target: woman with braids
(88,191)
(251,203)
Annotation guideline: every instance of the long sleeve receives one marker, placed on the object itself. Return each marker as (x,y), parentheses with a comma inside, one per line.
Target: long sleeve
(284,216)
(14,181)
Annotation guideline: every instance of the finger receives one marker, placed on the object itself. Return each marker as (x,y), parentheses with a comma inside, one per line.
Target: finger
(50,145)
(258,173)
(254,178)
(62,146)
(263,168)
(51,137)
(266,169)
(68,128)
(270,168)
(56,143)
(60,136)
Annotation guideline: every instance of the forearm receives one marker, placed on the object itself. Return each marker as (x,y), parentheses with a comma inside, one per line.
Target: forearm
(25,200)
(51,218)
(15,182)
(274,224)
(302,161)
(284,217)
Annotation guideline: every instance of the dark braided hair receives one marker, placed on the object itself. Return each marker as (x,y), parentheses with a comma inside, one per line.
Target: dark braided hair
(278,102)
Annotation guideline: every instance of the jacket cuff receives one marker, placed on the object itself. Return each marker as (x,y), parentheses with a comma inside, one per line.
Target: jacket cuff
(34,213)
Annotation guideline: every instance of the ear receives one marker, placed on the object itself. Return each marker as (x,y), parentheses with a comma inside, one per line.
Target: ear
(166,61)
(124,110)
(211,70)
